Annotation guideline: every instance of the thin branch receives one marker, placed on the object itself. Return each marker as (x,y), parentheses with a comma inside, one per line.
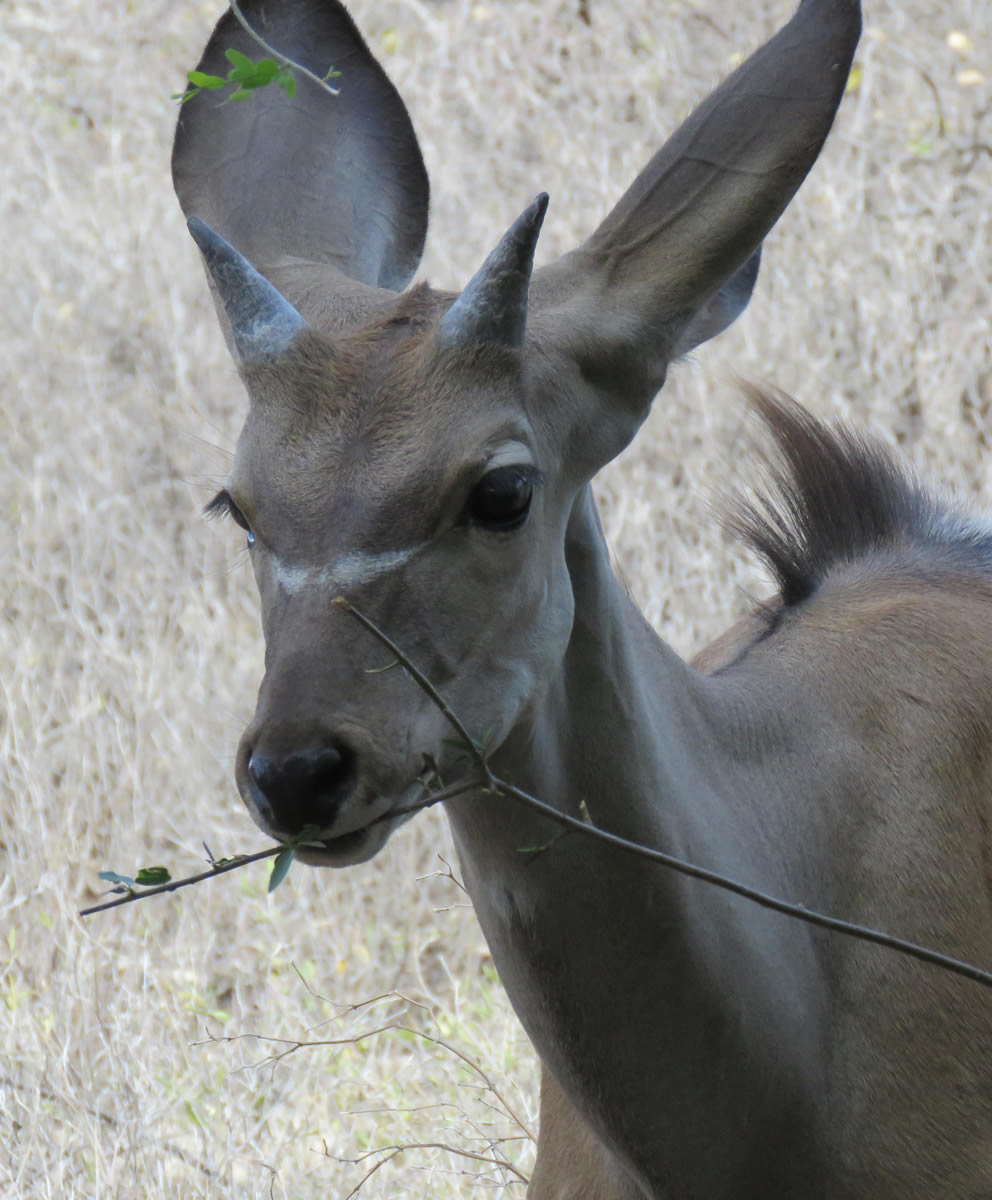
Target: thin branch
(474,1066)
(291,1044)
(283,58)
(347,1009)
(229,864)
(493,783)
(393,1151)
(368,1174)
(447,873)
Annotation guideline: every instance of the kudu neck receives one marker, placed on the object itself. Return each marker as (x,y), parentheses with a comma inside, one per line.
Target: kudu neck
(633,726)
(630,737)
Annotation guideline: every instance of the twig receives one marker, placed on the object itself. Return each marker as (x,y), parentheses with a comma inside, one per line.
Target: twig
(291,1044)
(447,873)
(423,682)
(493,783)
(392,1151)
(347,1009)
(474,1066)
(243,860)
(230,864)
(283,58)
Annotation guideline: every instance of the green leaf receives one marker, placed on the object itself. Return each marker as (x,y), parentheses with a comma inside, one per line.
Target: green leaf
(152,876)
(182,97)
(239,61)
(266,69)
(113,877)
(202,80)
(280,868)
(240,94)
(287,81)
(307,834)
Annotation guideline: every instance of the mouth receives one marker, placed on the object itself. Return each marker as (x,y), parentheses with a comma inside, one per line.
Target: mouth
(353,845)
(348,849)
(359,845)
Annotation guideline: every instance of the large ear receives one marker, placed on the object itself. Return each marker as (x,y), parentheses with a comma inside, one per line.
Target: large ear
(315,190)
(675,261)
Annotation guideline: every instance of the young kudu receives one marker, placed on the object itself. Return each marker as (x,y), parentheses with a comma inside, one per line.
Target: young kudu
(429,458)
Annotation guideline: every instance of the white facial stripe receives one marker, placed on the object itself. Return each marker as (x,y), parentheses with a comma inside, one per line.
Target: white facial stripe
(358,567)
(291,580)
(350,571)
(510,454)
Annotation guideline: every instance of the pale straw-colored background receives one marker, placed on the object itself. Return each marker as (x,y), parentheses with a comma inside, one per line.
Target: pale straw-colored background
(129,645)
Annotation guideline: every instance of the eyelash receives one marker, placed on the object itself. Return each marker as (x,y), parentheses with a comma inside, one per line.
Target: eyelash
(223,506)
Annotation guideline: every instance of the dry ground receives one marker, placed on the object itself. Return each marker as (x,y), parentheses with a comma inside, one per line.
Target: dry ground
(129,647)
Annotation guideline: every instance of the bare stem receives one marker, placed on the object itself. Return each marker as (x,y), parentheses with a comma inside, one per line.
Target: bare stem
(586,829)
(392,1151)
(421,680)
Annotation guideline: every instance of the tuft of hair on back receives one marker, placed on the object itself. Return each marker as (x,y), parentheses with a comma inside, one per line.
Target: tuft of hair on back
(827,496)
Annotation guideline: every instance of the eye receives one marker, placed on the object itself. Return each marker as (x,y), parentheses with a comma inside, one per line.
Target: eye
(223,505)
(238,517)
(501,499)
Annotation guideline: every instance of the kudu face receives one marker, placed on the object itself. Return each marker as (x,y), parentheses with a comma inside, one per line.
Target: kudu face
(422,458)
(405,476)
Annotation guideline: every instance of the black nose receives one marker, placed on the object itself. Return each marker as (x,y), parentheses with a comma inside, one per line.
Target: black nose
(305,787)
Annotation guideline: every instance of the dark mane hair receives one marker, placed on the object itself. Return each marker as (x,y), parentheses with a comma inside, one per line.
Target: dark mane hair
(830,496)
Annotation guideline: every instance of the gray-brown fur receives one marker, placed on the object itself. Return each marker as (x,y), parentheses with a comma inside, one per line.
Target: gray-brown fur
(833,497)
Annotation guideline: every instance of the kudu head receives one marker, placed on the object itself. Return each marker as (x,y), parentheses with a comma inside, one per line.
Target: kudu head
(422,455)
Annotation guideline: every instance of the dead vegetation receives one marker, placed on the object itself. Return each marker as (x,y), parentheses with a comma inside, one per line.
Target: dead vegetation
(129,651)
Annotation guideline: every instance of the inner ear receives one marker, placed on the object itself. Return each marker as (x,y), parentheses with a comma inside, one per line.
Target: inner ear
(721,310)
(316,179)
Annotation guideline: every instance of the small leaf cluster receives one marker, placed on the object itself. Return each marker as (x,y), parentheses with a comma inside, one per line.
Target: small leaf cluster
(146,877)
(245,76)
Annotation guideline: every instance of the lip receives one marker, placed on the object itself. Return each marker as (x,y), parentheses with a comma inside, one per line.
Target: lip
(359,845)
(348,849)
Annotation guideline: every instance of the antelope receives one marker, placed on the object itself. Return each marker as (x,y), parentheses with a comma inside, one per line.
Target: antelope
(429,457)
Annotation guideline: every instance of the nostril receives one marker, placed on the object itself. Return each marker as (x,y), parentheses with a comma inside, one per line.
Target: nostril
(257,768)
(305,787)
(332,767)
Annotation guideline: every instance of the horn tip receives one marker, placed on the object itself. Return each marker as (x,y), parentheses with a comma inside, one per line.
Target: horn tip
(206,238)
(538,206)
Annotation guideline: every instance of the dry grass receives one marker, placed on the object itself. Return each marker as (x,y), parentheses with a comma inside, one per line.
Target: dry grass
(129,648)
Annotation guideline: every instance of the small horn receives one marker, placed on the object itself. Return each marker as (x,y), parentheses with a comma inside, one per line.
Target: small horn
(262,320)
(493,307)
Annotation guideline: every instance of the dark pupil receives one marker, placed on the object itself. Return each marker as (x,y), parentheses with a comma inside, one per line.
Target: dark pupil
(501,497)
